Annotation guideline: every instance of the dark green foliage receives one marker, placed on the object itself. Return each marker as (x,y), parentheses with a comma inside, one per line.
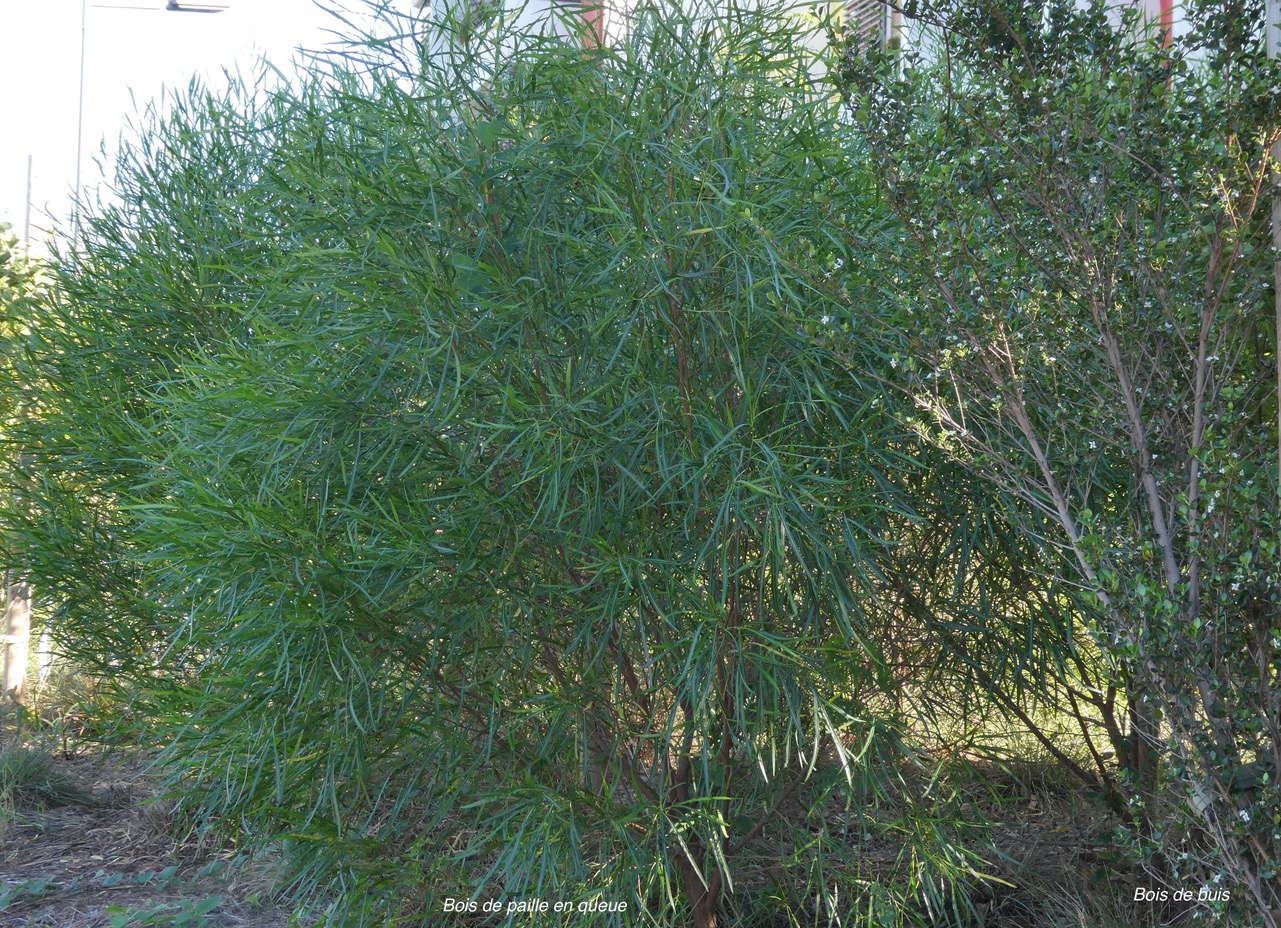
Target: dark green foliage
(1085,259)
(567,475)
(460,492)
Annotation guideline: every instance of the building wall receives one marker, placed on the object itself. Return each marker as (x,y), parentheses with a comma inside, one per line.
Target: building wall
(590,21)
(606,21)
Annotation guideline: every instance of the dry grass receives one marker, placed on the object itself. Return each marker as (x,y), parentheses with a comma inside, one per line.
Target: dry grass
(122,858)
(104,852)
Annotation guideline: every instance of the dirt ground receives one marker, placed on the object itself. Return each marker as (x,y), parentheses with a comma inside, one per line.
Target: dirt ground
(122,860)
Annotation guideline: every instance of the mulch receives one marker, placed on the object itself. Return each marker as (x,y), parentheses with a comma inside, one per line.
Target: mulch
(125,860)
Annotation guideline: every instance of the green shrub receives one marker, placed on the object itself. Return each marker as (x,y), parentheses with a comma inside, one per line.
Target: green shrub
(451,474)
(1084,250)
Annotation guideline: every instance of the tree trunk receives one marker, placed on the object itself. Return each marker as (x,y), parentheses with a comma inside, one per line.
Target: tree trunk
(17,640)
(702,899)
(594,24)
(1272,37)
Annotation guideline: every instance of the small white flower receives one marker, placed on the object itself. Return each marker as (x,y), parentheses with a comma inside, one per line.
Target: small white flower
(826,320)
(1245,817)
(894,362)
(1093,445)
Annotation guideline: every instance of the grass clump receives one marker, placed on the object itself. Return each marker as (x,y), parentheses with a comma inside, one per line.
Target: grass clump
(30,778)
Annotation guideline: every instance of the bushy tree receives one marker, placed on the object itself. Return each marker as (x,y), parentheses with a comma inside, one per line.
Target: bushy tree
(1085,280)
(453,477)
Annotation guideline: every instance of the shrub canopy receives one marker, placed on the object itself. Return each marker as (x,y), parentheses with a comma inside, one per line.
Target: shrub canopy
(453,476)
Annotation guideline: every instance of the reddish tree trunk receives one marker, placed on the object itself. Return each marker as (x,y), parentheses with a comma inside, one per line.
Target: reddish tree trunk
(703,900)
(594,20)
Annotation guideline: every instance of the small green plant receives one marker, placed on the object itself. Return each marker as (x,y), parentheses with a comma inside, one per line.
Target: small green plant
(160,879)
(23,891)
(176,915)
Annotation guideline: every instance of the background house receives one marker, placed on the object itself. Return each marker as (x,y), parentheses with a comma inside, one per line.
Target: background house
(606,21)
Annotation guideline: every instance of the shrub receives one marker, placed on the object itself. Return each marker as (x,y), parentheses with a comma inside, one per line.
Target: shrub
(1084,255)
(451,473)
